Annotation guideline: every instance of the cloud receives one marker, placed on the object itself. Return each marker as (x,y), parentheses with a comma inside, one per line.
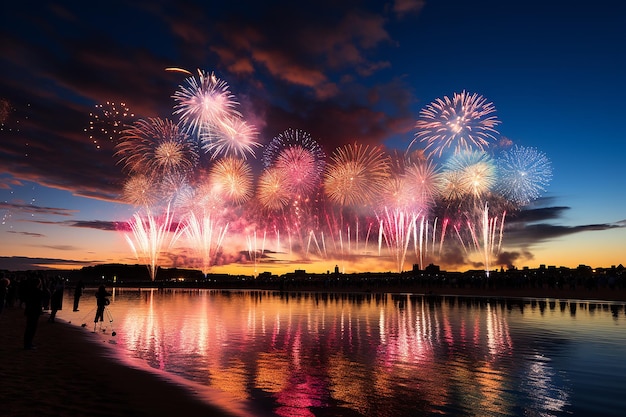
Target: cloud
(24,263)
(403,7)
(26,233)
(98,225)
(510,259)
(531,226)
(34,209)
(312,71)
(61,247)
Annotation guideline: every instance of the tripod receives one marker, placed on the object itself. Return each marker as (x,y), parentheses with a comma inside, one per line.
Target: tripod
(101,311)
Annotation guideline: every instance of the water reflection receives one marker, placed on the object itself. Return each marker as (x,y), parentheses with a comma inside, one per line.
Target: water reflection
(295,354)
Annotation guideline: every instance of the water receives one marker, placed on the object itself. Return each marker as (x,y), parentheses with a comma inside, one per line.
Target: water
(315,354)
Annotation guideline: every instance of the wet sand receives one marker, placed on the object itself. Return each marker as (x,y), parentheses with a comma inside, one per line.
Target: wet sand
(73,373)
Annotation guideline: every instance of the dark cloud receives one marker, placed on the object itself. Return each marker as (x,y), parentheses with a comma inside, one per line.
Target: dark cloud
(98,225)
(61,247)
(24,263)
(534,225)
(311,71)
(512,259)
(26,233)
(34,209)
(538,214)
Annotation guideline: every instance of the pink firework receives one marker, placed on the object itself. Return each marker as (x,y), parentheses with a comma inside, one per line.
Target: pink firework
(233,137)
(299,158)
(423,181)
(465,122)
(203,103)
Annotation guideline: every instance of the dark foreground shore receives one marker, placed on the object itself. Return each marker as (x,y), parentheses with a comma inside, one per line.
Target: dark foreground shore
(74,374)
(70,374)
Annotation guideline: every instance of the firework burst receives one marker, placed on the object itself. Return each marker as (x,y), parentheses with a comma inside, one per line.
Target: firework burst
(523,174)
(272,191)
(423,181)
(356,174)
(477,172)
(314,208)
(396,192)
(107,122)
(203,102)
(234,137)
(158,147)
(465,122)
(232,179)
(140,190)
(300,159)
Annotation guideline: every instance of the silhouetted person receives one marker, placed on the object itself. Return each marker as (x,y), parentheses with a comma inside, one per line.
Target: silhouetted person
(102,300)
(56,299)
(33,309)
(46,293)
(78,292)
(4,290)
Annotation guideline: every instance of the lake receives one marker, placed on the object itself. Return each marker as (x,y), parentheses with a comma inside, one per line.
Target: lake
(349,354)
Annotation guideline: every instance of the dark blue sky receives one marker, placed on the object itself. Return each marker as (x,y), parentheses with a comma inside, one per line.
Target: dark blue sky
(342,71)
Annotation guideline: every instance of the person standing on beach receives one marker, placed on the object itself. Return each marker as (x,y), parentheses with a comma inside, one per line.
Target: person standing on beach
(56,299)
(78,292)
(33,309)
(102,300)
(4,290)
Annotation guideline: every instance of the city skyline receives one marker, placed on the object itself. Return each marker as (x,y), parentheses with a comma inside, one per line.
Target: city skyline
(359,72)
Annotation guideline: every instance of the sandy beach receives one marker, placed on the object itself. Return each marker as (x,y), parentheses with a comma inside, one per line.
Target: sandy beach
(71,374)
(74,373)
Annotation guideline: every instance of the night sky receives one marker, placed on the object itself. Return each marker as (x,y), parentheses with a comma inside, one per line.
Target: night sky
(342,71)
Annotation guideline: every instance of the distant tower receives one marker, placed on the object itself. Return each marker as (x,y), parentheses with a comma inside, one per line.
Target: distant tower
(336,270)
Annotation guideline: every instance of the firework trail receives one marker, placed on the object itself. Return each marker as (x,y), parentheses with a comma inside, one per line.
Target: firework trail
(253,251)
(396,229)
(205,234)
(465,122)
(523,174)
(150,237)
(356,175)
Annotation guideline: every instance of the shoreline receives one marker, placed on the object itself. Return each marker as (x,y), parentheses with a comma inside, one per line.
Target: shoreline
(71,374)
